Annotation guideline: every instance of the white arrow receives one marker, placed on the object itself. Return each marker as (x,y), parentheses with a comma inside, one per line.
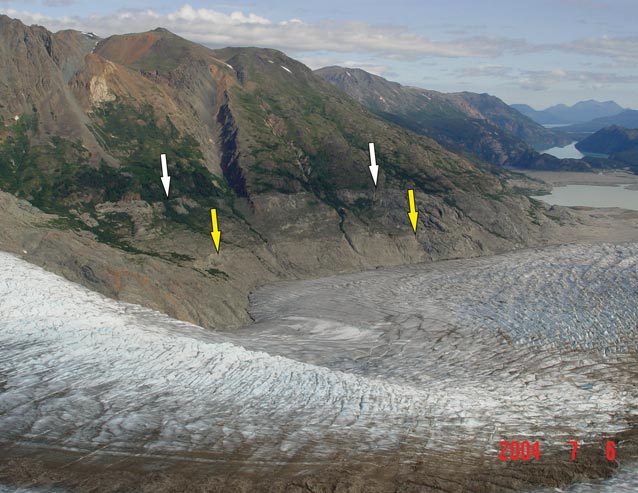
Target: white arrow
(374,169)
(166,180)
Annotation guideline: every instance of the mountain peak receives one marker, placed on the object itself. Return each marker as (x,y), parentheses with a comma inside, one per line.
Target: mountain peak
(353,72)
(156,50)
(5,19)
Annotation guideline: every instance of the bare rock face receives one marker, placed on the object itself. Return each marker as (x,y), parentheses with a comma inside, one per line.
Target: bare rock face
(36,67)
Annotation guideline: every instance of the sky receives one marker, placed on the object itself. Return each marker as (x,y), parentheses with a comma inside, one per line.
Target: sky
(539,52)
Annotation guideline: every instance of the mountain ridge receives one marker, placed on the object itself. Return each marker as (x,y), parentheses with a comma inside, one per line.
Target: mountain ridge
(446,117)
(627,119)
(580,112)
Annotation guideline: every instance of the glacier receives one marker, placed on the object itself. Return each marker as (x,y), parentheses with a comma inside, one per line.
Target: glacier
(404,363)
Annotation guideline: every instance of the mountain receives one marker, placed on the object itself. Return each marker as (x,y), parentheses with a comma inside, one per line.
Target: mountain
(37,68)
(500,114)
(584,111)
(613,147)
(580,112)
(477,124)
(619,143)
(281,154)
(539,116)
(627,119)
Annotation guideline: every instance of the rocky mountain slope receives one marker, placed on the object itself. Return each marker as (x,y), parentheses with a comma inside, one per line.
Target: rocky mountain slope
(500,114)
(279,152)
(478,124)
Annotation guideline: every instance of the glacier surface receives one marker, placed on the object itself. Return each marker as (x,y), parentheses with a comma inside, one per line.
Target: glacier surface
(400,362)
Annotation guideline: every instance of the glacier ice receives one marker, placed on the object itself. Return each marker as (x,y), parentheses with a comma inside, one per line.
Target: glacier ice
(390,362)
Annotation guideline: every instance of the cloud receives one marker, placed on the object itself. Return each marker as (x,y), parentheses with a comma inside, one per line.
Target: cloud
(58,3)
(622,49)
(373,68)
(342,40)
(191,15)
(590,4)
(485,70)
(541,80)
(545,79)
(216,28)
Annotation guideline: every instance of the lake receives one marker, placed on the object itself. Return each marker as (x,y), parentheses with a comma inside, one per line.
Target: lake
(568,151)
(556,125)
(593,196)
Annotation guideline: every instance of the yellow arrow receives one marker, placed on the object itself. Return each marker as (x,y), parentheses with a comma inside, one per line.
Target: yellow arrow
(216,234)
(413,214)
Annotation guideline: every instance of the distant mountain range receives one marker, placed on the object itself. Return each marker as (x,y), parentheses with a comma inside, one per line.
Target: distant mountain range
(627,119)
(580,112)
(475,124)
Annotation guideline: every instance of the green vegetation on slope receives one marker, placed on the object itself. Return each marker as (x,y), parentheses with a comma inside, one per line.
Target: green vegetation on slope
(56,176)
(298,133)
(133,136)
(45,173)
